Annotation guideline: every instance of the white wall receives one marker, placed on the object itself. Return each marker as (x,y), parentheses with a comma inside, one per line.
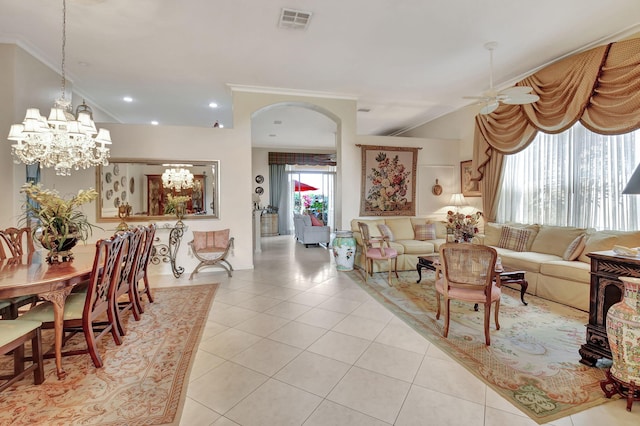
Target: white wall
(459,125)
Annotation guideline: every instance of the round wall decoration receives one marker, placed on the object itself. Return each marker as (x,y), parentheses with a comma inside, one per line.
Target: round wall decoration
(259,179)
(259,190)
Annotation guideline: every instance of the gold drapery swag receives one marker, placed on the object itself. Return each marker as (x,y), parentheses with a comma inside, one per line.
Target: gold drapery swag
(599,87)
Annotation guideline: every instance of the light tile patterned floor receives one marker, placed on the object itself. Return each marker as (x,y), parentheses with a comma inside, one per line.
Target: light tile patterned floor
(294,342)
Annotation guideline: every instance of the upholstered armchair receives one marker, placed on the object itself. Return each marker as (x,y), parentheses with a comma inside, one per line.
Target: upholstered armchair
(307,234)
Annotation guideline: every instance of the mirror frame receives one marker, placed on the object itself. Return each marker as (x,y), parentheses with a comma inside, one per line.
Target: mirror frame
(214,204)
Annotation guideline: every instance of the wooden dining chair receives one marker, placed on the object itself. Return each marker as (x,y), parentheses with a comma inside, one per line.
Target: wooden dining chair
(13,336)
(466,273)
(149,235)
(89,312)
(377,248)
(123,295)
(14,243)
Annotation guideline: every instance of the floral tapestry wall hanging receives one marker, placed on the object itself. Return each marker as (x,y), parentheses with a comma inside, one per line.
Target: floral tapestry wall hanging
(388,181)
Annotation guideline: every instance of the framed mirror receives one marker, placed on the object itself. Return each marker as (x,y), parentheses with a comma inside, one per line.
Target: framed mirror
(153,188)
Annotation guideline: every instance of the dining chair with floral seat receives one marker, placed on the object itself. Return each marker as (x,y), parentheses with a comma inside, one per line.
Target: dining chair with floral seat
(374,249)
(466,273)
(123,295)
(88,312)
(13,336)
(149,235)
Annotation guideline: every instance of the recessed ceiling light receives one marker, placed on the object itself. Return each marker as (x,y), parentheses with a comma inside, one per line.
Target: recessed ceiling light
(154,122)
(213,105)
(127,99)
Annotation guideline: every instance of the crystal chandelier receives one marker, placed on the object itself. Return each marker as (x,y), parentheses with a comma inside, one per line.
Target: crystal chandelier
(177,179)
(62,141)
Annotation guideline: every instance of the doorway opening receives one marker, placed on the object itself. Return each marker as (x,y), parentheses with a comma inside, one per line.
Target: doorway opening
(312,192)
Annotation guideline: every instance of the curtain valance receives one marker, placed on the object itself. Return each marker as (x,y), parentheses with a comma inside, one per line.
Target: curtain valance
(599,87)
(302,158)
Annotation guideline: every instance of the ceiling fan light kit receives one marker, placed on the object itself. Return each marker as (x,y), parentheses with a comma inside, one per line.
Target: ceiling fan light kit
(491,99)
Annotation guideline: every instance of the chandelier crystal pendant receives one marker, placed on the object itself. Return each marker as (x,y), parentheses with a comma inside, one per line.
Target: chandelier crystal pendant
(177,179)
(61,141)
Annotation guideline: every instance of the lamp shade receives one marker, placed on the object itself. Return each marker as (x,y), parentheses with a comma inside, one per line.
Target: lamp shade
(458,200)
(633,186)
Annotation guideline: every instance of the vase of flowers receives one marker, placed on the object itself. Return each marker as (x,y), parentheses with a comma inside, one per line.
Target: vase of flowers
(463,226)
(59,222)
(177,204)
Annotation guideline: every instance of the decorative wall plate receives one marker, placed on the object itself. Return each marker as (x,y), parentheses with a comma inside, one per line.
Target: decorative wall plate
(259,179)
(132,185)
(109,194)
(123,196)
(123,181)
(116,202)
(259,190)
(116,186)
(116,169)
(107,177)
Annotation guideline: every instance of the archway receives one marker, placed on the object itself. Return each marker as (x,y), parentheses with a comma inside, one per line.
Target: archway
(303,128)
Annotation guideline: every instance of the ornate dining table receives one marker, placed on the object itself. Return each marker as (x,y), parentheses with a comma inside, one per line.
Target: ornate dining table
(31,274)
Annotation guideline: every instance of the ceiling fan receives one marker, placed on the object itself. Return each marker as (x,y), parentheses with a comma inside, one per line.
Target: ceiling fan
(491,99)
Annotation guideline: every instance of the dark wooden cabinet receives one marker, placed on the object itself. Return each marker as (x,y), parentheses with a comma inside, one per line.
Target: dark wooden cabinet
(157,195)
(606,290)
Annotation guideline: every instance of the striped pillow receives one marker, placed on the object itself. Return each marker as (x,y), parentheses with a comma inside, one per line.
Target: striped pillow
(575,248)
(514,238)
(425,232)
(386,231)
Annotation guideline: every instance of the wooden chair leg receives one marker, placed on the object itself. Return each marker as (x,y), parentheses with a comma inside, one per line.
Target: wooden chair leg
(36,355)
(438,305)
(487,316)
(91,345)
(447,306)
(496,315)
(390,284)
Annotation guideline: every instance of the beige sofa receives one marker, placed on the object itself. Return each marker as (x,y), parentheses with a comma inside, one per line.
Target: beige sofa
(545,259)
(403,240)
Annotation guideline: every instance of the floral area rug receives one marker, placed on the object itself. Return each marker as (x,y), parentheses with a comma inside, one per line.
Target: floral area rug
(142,381)
(533,359)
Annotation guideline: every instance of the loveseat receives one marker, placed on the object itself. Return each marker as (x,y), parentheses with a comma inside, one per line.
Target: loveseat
(554,258)
(407,235)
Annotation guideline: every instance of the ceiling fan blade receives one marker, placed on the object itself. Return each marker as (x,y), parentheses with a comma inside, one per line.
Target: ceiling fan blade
(489,108)
(516,90)
(521,99)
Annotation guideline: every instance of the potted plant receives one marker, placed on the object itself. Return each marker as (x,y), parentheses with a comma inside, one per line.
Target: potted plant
(59,224)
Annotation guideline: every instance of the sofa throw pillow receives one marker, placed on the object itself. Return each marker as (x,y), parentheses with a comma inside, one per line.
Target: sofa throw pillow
(425,232)
(575,248)
(386,231)
(315,221)
(515,239)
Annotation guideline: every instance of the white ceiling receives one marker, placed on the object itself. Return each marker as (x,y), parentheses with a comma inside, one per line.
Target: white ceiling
(406,61)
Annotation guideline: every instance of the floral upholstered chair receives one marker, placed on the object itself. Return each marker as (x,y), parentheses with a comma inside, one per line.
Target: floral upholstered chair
(211,248)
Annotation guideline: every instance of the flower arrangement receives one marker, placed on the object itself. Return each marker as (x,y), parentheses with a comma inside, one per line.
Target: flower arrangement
(464,227)
(389,184)
(173,201)
(61,224)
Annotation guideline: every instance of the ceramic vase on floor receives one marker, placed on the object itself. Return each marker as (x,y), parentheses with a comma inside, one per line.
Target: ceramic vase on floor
(344,250)
(623,332)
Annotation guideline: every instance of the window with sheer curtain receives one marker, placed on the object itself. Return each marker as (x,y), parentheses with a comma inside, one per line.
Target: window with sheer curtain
(574,178)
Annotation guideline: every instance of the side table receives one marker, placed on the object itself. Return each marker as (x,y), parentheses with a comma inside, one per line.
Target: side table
(168,252)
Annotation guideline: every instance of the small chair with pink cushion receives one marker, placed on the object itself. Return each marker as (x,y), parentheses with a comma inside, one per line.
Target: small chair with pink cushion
(377,253)
(211,248)
(466,272)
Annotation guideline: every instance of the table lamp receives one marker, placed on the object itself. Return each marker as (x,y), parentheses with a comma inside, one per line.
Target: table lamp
(457,200)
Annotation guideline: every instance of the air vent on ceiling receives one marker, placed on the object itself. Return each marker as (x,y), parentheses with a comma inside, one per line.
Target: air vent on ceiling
(294,19)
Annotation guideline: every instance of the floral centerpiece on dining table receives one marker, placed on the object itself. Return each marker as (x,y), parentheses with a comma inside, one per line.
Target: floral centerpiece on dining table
(463,226)
(59,224)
